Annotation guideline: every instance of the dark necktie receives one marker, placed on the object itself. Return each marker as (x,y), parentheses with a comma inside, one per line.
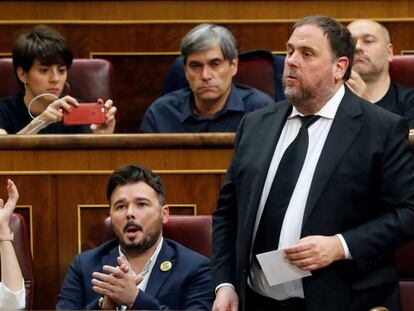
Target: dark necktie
(290,166)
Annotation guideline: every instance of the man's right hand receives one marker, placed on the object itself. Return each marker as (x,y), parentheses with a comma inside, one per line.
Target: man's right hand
(226,299)
(54,111)
(116,285)
(357,85)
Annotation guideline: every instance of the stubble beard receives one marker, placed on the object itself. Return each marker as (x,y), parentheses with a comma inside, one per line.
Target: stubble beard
(369,73)
(305,96)
(148,240)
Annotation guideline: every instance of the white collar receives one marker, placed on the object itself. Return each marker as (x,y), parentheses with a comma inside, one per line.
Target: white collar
(148,265)
(328,111)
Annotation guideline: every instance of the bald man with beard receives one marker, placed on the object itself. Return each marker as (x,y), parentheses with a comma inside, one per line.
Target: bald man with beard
(370,78)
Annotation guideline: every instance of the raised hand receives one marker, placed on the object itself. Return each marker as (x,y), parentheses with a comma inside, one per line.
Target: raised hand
(7,209)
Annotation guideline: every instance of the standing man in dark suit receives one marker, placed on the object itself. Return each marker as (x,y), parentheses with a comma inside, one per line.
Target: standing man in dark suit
(140,270)
(350,205)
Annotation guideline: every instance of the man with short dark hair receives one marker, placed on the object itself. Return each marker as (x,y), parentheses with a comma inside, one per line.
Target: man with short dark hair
(330,183)
(140,270)
(370,76)
(212,103)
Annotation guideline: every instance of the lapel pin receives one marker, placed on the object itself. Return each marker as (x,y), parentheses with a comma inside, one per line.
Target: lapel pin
(165,266)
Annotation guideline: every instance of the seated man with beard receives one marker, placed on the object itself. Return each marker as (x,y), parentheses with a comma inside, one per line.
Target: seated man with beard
(140,270)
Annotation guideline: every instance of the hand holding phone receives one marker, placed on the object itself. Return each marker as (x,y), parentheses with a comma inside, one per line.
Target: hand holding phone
(85,113)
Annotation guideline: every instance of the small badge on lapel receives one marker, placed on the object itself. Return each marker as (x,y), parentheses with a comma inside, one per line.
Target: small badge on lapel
(165,266)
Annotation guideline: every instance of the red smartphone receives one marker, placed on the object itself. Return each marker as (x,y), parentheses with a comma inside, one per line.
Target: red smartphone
(85,113)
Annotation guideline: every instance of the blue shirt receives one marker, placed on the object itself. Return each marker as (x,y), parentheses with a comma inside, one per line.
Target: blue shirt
(173,113)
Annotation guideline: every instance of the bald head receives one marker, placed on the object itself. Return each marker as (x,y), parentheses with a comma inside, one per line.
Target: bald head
(370,26)
(373,50)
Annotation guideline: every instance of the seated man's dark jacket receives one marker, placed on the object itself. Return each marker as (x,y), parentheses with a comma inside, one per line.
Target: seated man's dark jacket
(187,285)
(173,112)
(14,117)
(400,100)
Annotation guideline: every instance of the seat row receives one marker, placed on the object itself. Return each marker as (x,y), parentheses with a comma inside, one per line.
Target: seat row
(90,79)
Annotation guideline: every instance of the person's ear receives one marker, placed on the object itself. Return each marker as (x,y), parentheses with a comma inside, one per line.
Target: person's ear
(390,51)
(165,211)
(234,65)
(185,70)
(110,210)
(341,66)
(22,75)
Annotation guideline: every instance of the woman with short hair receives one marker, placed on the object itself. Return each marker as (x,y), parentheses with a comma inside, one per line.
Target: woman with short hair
(41,60)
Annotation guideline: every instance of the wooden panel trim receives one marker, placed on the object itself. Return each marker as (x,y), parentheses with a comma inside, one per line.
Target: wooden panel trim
(108,172)
(80,206)
(194,206)
(122,141)
(93,54)
(186,21)
(117,141)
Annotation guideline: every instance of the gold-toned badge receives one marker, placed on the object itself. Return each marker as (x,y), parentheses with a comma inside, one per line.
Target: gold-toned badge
(165,266)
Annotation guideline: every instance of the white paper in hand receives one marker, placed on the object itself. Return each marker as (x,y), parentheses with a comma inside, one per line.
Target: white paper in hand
(277,269)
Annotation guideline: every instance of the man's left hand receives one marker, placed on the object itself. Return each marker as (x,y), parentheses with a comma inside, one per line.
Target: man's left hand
(315,252)
(109,126)
(357,85)
(117,285)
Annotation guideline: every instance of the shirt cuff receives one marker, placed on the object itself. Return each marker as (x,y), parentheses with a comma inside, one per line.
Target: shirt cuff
(345,247)
(222,285)
(10,299)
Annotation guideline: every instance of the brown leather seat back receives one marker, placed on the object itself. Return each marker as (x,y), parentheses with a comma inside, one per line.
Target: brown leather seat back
(24,255)
(405,264)
(402,70)
(262,70)
(89,79)
(8,80)
(191,231)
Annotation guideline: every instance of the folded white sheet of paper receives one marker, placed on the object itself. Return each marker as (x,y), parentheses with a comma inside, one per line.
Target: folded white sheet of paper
(277,269)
